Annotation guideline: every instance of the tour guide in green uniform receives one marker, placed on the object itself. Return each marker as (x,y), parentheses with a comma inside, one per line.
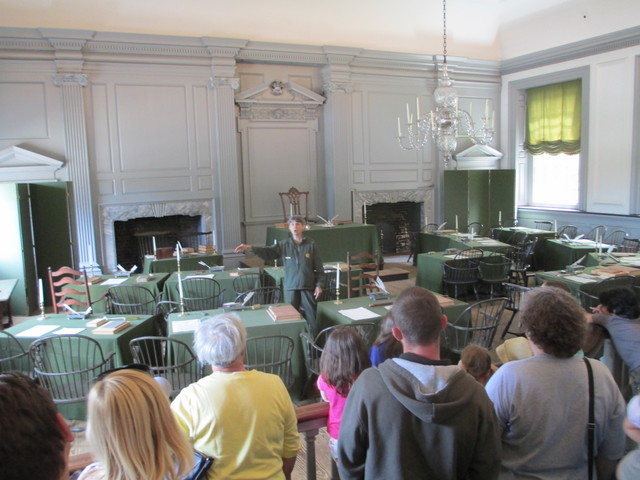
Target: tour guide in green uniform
(303,269)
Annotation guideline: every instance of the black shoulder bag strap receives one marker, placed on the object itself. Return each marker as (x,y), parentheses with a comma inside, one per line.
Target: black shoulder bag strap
(591,426)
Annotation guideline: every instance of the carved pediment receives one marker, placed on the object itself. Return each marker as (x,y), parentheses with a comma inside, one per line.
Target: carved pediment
(279,101)
(478,156)
(18,165)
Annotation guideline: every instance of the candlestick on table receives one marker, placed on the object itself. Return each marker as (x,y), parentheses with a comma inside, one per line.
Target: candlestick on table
(500,217)
(41,299)
(338,301)
(180,295)
(153,242)
(456,223)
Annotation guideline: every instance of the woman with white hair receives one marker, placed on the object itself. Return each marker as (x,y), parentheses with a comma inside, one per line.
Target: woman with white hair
(244,419)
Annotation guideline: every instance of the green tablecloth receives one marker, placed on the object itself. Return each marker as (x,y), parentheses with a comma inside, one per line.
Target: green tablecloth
(335,242)
(329,312)
(278,275)
(257,323)
(224,278)
(439,242)
(558,254)
(187,262)
(99,290)
(572,280)
(627,259)
(119,343)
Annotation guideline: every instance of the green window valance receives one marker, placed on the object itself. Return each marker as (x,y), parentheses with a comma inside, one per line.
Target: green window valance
(554,118)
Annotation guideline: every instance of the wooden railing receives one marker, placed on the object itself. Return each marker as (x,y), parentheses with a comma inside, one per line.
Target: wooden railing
(311,418)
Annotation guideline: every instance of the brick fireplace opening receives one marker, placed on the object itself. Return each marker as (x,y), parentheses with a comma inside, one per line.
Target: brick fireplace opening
(395,222)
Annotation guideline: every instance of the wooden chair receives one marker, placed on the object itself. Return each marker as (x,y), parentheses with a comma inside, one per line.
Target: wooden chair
(522,261)
(67,364)
(68,286)
(294,202)
(270,354)
(328,285)
(514,295)
(569,230)
(462,272)
(169,358)
(261,296)
(630,245)
(251,280)
(616,238)
(477,324)
(201,294)
(597,231)
(312,347)
(543,225)
(365,282)
(494,271)
(131,300)
(476,227)
(13,356)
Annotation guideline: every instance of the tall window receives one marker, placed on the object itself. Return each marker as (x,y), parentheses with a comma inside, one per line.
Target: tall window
(552,140)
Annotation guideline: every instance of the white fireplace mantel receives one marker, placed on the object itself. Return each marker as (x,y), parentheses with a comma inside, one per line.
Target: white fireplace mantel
(421,195)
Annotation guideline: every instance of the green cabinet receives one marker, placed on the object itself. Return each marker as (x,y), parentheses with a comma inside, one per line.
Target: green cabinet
(479,196)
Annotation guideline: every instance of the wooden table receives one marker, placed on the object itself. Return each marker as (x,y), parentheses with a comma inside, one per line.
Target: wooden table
(625,259)
(257,323)
(119,343)
(155,283)
(329,312)
(188,261)
(439,242)
(335,242)
(573,280)
(6,289)
(224,278)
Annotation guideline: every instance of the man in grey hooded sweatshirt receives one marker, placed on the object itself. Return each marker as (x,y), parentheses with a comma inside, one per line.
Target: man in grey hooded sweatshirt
(418,416)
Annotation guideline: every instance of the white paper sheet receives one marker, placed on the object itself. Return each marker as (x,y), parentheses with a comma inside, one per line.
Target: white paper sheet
(68,331)
(114,281)
(359,313)
(37,331)
(179,326)
(206,275)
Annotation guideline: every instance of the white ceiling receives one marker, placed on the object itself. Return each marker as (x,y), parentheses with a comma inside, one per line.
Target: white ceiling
(485,29)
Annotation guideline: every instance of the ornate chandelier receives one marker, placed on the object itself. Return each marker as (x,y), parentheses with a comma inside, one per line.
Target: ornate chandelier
(447,121)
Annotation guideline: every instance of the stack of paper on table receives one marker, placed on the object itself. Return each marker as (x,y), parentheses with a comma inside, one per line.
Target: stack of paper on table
(111,327)
(281,313)
(115,281)
(360,313)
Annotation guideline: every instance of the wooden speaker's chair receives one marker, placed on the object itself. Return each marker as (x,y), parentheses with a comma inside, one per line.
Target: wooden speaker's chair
(13,356)
(270,354)
(364,282)
(294,202)
(69,286)
(200,293)
(169,358)
(477,324)
(261,296)
(67,364)
(131,300)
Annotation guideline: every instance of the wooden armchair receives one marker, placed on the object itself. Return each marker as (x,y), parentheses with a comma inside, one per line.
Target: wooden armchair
(68,286)
(294,202)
